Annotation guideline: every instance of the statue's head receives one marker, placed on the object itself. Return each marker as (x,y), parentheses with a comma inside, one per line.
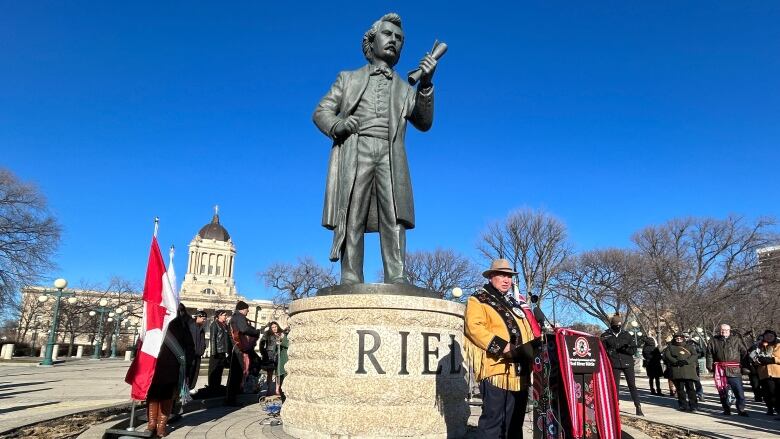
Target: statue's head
(384,40)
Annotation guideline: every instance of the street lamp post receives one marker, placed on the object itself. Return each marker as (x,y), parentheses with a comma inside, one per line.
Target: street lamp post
(60,285)
(135,327)
(102,309)
(636,332)
(118,317)
(36,327)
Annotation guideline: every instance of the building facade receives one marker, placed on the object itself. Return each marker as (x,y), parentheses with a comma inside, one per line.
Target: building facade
(209,285)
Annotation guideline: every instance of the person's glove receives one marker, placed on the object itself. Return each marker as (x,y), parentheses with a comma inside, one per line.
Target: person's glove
(683,362)
(766,360)
(523,353)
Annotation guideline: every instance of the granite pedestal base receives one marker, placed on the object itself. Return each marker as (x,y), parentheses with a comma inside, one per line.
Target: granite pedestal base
(375,366)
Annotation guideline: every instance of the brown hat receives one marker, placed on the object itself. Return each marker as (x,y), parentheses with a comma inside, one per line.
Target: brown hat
(499,266)
(616,320)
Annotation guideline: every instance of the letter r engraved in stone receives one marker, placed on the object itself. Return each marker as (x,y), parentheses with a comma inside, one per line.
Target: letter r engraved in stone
(427,354)
(370,354)
(404,337)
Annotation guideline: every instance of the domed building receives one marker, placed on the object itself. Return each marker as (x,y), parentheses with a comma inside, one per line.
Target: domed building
(209,282)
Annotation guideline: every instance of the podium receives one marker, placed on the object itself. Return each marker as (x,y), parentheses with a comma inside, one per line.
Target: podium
(574,394)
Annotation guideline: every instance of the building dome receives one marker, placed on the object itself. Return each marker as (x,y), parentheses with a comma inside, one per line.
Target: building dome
(214,230)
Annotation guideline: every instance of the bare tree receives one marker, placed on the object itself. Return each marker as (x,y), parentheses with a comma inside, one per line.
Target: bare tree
(30,310)
(119,292)
(535,244)
(296,281)
(29,235)
(699,269)
(601,282)
(442,270)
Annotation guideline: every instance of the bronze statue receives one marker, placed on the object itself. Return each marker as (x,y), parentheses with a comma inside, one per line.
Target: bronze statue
(368,187)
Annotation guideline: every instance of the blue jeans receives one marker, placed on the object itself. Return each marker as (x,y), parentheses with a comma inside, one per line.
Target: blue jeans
(739,392)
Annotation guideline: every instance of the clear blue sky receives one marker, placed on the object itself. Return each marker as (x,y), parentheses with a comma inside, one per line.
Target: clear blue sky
(611,115)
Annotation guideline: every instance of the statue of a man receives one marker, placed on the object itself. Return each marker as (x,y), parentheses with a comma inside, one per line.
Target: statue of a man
(368,186)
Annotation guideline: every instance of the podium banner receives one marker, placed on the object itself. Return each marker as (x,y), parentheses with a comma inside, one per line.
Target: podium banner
(574,393)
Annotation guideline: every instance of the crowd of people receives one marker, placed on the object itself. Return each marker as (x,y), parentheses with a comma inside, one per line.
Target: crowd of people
(232,345)
(727,357)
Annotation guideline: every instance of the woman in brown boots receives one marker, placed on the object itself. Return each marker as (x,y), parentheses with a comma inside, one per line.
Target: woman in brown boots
(169,374)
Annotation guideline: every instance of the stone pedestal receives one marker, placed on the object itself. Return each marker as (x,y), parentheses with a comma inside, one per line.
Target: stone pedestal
(375,366)
(55,351)
(128,355)
(79,351)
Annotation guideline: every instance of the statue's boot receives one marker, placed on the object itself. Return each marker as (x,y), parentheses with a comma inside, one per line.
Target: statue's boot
(162,421)
(152,414)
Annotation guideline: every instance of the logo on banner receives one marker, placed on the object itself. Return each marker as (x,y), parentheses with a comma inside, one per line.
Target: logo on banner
(581,347)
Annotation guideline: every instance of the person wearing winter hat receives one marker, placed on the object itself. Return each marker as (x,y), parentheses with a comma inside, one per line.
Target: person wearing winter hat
(768,360)
(682,359)
(244,339)
(620,347)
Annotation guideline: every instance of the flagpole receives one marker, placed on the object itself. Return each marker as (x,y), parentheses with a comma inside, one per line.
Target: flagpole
(156,225)
(131,425)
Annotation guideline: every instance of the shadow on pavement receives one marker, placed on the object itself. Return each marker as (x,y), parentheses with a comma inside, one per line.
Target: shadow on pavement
(22,392)
(22,407)
(7,385)
(756,421)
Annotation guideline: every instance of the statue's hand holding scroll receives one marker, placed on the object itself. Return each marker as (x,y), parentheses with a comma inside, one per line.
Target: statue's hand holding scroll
(424,73)
(427,67)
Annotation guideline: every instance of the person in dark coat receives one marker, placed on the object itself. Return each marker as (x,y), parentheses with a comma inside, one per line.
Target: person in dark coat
(728,351)
(682,359)
(220,346)
(197,327)
(696,347)
(621,348)
(653,365)
(269,351)
(167,380)
(244,340)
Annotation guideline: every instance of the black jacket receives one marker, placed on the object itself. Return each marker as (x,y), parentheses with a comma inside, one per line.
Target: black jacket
(620,348)
(652,357)
(219,339)
(726,349)
(246,334)
(682,361)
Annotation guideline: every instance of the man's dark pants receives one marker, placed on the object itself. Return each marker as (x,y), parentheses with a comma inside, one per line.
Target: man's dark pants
(686,388)
(235,377)
(503,412)
(217,364)
(739,392)
(630,380)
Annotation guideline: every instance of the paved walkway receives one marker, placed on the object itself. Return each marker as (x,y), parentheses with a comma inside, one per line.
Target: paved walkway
(663,409)
(29,393)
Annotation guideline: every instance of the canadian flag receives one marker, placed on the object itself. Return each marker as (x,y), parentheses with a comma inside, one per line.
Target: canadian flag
(160,304)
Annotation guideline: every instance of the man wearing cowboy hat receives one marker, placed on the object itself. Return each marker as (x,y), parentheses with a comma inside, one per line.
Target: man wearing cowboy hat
(498,346)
